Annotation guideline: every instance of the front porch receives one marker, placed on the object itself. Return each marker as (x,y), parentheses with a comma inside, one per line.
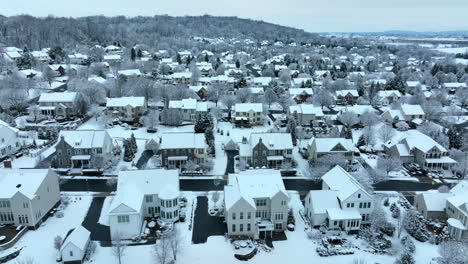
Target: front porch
(81,161)
(439,164)
(177,162)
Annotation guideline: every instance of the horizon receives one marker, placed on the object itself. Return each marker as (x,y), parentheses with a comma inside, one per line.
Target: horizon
(312,16)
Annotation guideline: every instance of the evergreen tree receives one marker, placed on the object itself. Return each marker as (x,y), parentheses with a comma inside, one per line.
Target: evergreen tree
(361,141)
(405,258)
(291,128)
(455,138)
(139,53)
(132,54)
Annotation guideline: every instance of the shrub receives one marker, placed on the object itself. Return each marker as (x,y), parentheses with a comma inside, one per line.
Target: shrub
(386,203)
(405,258)
(415,226)
(408,244)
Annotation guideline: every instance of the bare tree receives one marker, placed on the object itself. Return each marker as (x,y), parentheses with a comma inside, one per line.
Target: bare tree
(162,250)
(151,120)
(348,119)
(324,98)
(243,95)
(369,119)
(58,242)
(175,242)
(453,252)
(270,97)
(118,246)
(386,133)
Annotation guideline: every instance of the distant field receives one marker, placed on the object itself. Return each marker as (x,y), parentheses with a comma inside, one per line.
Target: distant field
(453,50)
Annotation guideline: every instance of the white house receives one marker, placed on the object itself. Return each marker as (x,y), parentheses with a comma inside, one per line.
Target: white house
(256,203)
(422,149)
(27,196)
(9,141)
(387,97)
(343,203)
(74,246)
(126,108)
(140,195)
(457,214)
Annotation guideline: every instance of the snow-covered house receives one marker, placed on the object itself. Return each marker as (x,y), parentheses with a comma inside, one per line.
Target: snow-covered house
(300,95)
(256,203)
(343,203)
(58,105)
(27,196)
(412,112)
(318,147)
(431,204)
(126,109)
(78,58)
(247,113)
(130,73)
(387,97)
(421,149)
(262,81)
(179,148)
(9,141)
(75,245)
(112,58)
(305,114)
(79,148)
(269,150)
(346,97)
(41,55)
(454,86)
(457,214)
(181,77)
(143,194)
(190,109)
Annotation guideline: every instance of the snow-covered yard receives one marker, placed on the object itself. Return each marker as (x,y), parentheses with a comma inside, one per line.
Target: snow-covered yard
(39,244)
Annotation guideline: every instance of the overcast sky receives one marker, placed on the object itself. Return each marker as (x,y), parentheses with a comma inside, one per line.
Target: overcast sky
(311,15)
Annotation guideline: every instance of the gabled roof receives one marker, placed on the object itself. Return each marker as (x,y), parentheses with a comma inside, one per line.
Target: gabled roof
(133,101)
(281,141)
(84,139)
(182,140)
(253,184)
(418,140)
(133,185)
(306,109)
(25,181)
(321,200)
(343,93)
(340,180)
(408,109)
(65,97)
(246,107)
(435,201)
(78,237)
(324,145)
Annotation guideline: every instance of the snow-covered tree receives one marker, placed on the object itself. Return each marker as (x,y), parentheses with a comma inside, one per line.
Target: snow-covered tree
(118,246)
(324,98)
(415,227)
(348,119)
(405,258)
(162,250)
(453,252)
(270,97)
(386,133)
(151,120)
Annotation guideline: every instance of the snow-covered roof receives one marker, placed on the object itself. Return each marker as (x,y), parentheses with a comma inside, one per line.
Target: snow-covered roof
(461,187)
(130,72)
(112,57)
(435,201)
(246,107)
(300,91)
(85,139)
(25,181)
(408,109)
(418,140)
(306,109)
(321,200)
(133,101)
(133,185)
(344,93)
(340,180)
(78,237)
(183,140)
(264,81)
(413,83)
(455,85)
(189,104)
(253,184)
(280,141)
(65,97)
(324,145)
(341,214)
(460,201)
(388,93)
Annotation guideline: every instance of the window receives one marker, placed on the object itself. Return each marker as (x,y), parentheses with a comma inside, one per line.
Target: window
(201,151)
(71,253)
(233,228)
(279,226)
(260,202)
(241,215)
(283,202)
(368,205)
(148,198)
(123,219)
(249,215)
(241,228)
(233,216)
(279,216)
(359,195)
(25,205)
(248,227)
(360,205)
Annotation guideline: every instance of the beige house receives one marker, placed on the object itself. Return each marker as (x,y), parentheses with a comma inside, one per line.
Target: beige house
(256,203)
(27,196)
(431,204)
(57,105)
(247,114)
(318,147)
(126,109)
(190,109)
(305,114)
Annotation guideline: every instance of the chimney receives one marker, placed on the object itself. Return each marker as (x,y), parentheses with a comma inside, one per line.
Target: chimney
(7,164)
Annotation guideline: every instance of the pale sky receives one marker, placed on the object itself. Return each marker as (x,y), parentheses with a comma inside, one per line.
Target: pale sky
(310,15)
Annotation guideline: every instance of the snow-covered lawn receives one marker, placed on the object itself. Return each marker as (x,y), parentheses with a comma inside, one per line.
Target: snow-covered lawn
(39,244)
(453,50)
(104,217)
(298,248)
